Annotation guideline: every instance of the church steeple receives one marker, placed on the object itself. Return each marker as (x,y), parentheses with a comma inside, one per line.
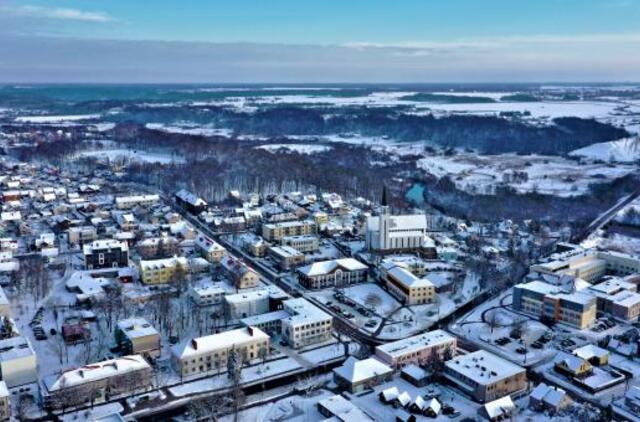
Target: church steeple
(385,200)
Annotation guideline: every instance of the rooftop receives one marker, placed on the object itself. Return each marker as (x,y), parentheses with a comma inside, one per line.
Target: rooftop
(224,340)
(416,343)
(483,367)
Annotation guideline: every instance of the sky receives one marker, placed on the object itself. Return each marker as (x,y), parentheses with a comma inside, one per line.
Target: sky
(297,41)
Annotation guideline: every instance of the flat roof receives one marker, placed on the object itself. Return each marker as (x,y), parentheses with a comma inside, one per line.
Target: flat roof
(483,367)
(416,343)
(224,340)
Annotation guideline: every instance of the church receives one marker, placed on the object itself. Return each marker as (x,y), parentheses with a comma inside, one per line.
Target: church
(395,233)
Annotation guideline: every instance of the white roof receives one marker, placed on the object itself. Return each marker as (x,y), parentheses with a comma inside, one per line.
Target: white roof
(105,244)
(416,343)
(4,391)
(343,409)
(502,406)
(416,222)
(136,327)
(589,351)
(15,348)
(406,277)
(355,371)
(153,264)
(325,267)
(207,244)
(483,367)
(100,370)
(301,311)
(549,394)
(224,340)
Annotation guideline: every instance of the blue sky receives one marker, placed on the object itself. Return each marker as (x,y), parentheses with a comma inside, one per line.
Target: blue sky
(354,40)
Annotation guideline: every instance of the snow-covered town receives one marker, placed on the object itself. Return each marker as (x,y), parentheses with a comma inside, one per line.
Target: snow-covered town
(120,303)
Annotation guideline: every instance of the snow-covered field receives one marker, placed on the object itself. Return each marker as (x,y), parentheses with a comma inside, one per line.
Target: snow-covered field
(622,151)
(56,119)
(299,148)
(544,174)
(132,155)
(190,129)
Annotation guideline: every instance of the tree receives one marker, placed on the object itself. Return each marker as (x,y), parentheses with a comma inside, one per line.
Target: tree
(493,320)
(235,362)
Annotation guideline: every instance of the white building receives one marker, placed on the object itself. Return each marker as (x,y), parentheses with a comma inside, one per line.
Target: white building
(124,202)
(392,233)
(334,272)
(306,325)
(18,362)
(418,349)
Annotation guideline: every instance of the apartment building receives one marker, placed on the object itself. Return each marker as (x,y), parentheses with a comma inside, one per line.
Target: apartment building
(484,376)
(618,298)
(209,354)
(136,336)
(126,202)
(546,300)
(304,243)
(286,257)
(162,271)
(210,250)
(276,231)
(334,272)
(210,294)
(82,235)
(419,349)
(158,246)
(190,201)
(306,324)
(242,276)
(254,302)
(97,382)
(106,253)
(18,362)
(406,286)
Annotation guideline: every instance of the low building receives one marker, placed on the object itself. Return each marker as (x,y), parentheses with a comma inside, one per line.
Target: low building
(190,201)
(286,257)
(593,354)
(407,287)
(337,408)
(499,410)
(332,273)
(420,349)
(270,322)
(210,294)
(304,243)
(136,336)
(306,324)
(485,377)
(243,276)
(211,250)
(209,354)
(571,365)
(82,235)
(549,398)
(162,271)
(356,375)
(107,253)
(276,231)
(246,304)
(18,362)
(98,382)
(125,202)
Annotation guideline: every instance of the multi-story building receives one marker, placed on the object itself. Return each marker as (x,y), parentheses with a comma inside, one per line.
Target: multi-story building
(270,322)
(286,257)
(420,349)
(136,336)
(204,355)
(211,250)
(158,247)
(18,362)
(125,202)
(546,300)
(254,302)
(190,201)
(96,382)
(485,377)
(106,253)
(334,272)
(276,231)
(82,235)
(307,324)
(304,243)
(210,294)
(618,298)
(161,271)
(406,286)
(243,276)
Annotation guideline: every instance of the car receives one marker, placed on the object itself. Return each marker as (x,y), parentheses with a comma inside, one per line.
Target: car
(283,342)
(521,350)
(53,332)
(328,303)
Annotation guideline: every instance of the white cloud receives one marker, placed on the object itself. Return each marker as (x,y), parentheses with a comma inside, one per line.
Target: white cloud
(56,13)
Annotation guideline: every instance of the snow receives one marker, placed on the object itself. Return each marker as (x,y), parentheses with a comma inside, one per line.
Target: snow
(622,151)
(190,129)
(132,155)
(299,148)
(56,119)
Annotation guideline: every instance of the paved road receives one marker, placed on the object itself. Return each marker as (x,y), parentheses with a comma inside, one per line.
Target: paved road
(604,218)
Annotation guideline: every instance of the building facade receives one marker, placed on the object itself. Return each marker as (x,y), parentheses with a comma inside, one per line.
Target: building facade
(332,273)
(106,253)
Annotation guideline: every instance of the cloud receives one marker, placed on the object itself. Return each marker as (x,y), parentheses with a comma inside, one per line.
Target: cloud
(59,13)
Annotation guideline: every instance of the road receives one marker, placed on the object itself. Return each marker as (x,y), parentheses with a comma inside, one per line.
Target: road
(604,218)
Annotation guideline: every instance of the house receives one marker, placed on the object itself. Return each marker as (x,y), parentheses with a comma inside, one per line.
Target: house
(210,250)
(136,336)
(243,276)
(484,376)
(500,409)
(389,395)
(549,398)
(97,382)
(340,409)
(356,376)
(330,273)
(593,354)
(18,362)
(571,365)
(190,201)
(415,375)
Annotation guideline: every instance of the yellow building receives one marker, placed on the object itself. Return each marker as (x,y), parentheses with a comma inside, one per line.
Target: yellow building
(161,271)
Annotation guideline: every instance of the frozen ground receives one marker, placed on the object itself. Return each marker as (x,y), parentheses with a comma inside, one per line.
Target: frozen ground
(190,129)
(548,175)
(132,155)
(622,151)
(56,119)
(299,148)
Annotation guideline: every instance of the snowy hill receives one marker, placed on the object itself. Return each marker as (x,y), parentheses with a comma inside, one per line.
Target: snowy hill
(623,150)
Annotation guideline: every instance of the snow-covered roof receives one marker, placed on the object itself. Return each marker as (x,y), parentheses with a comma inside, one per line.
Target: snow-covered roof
(501,407)
(590,351)
(390,393)
(104,244)
(224,340)
(154,264)
(208,245)
(416,343)
(572,362)
(190,198)
(551,395)
(342,409)
(355,371)
(136,327)
(326,267)
(407,278)
(100,370)
(303,312)
(483,367)
(15,348)
(400,222)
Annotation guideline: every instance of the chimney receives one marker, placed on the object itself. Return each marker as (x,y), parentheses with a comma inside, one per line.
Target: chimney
(194,344)
(250,330)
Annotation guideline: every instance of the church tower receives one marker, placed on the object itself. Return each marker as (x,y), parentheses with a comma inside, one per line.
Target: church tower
(384,221)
